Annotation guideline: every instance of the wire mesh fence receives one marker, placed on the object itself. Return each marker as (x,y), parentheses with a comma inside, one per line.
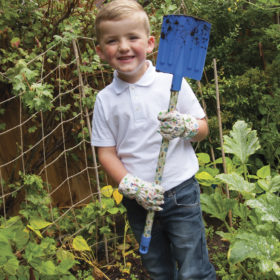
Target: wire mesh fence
(45,141)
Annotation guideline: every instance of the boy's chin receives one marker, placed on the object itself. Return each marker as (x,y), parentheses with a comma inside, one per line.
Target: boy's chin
(139,70)
(127,73)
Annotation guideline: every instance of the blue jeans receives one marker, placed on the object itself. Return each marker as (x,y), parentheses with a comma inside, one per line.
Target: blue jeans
(178,248)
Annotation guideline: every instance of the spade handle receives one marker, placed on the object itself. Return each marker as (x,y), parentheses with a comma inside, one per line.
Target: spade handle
(146,236)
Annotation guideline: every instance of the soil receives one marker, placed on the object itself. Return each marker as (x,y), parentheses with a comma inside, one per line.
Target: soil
(137,271)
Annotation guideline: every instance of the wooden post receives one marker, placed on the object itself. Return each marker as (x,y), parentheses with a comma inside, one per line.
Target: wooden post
(221,132)
(81,88)
(206,117)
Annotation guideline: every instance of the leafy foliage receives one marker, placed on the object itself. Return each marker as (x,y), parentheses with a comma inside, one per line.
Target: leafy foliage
(242,142)
(245,41)
(254,206)
(29,241)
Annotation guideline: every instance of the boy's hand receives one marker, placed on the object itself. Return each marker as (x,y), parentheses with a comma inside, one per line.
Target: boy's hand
(174,124)
(148,195)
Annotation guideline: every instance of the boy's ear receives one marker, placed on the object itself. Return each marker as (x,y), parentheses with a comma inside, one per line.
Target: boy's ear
(151,44)
(99,52)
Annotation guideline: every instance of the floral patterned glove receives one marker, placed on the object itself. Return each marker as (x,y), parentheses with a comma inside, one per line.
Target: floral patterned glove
(148,195)
(174,124)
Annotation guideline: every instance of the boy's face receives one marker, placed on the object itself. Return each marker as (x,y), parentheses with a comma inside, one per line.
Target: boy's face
(124,44)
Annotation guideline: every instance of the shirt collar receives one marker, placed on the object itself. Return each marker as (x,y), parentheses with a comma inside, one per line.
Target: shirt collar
(147,79)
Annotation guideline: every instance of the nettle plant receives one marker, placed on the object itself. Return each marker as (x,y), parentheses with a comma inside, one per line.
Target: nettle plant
(27,252)
(34,247)
(254,203)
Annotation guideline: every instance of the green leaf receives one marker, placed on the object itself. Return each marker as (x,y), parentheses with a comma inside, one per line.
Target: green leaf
(266,265)
(220,161)
(14,233)
(108,203)
(34,252)
(64,255)
(237,183)
(80,244)
(270,185)
(268,206)
(11,266)
(20,237)
(12,221)
(46,267)
(241,211)
(105,230)
(3,260)
(23,273)
(249,176)
(39,223)
(229,164)
(263,184)
(263,248)
(36,180)
(216,205)
(264,172)
(275,184)
(32,129)
(38,233)
(242,142)
(203,158)
(205,179)
(226,236)
(113,210)
(6,250)
(65,265)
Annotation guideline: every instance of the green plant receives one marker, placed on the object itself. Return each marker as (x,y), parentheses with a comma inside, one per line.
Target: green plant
(245,41)
(254,206)
(29,242)
(26,252)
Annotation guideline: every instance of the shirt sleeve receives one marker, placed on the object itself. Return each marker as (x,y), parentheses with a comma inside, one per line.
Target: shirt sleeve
(188,102)
(101,135)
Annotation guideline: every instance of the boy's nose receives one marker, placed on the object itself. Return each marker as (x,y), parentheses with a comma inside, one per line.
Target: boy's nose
(123,46)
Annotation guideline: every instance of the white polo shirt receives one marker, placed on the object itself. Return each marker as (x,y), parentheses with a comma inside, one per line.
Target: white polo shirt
(125,116)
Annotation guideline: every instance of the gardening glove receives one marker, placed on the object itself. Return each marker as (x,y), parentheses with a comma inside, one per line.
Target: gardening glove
(174,124)
(148,195)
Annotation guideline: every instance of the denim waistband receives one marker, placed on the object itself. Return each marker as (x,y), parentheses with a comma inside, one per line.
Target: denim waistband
(172,191)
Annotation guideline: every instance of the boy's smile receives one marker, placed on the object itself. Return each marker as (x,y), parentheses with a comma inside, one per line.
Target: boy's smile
(124,44)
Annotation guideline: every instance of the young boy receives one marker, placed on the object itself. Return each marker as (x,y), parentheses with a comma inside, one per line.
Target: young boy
(130,119)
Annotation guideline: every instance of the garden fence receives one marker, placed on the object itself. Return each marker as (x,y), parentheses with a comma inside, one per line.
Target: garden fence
(51,143)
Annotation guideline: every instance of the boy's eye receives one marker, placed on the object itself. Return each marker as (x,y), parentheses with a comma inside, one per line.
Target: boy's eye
(133,37)
(111,41)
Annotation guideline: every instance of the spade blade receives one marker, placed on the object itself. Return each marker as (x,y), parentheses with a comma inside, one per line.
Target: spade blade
(183,47)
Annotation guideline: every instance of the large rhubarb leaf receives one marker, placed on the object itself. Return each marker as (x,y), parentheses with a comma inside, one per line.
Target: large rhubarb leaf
(237,183)
(267,206)
(216,205)
(242,141)
(266,249)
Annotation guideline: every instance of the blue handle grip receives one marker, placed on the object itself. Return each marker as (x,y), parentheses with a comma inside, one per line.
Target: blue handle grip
(144,245)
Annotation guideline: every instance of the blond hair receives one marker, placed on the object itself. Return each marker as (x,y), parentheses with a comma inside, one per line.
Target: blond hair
(120,9)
